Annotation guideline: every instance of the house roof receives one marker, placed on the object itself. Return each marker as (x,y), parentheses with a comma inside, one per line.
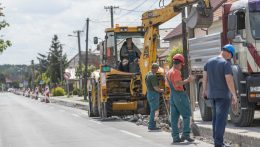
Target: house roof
(164,54)
(174,33)
(214,3)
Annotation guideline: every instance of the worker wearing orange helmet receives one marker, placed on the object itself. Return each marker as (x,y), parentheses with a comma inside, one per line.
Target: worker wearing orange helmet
(179,101)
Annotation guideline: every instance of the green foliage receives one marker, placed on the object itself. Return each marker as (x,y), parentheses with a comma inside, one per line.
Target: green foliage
(3,24)
(174,51)
(91,68)
(2,78)
(58,91)
(77,91)
(15,72)
(52,66)
(45,78)
(55,59)
(79,71)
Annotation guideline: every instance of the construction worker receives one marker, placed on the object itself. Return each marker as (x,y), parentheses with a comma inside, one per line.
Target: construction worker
(179,101)
(218,83)
(131,53)
(153,95)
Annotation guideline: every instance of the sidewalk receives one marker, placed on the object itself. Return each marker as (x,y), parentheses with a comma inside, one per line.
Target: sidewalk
(73,101)
(239,136)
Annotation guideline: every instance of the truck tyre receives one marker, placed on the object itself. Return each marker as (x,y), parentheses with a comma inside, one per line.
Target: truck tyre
(109,104)
(243,117)
(106,109)
(205,111)
(99,101)
(94,96)
(90,107)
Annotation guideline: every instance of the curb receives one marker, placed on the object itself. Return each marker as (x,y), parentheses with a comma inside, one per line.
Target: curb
(73,104)
(237,139)
(68,103)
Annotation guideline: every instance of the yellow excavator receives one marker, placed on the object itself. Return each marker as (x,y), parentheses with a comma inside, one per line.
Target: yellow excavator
(201,16)
(121,92)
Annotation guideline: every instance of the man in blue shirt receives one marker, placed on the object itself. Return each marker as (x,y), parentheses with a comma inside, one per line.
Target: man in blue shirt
(218,83)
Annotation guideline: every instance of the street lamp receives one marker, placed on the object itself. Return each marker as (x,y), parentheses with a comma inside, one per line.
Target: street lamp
(79,47)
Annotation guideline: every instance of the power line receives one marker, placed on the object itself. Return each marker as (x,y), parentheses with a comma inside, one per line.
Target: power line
(132,9)
(106,21)
(111,9)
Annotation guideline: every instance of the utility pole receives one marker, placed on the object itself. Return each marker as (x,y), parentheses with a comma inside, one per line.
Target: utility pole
(185,49)
(79,47)
(86,62)
(192,92)
(111,9)
(33,71)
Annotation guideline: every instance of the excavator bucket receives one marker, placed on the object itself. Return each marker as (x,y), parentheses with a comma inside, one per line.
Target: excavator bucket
(199,19)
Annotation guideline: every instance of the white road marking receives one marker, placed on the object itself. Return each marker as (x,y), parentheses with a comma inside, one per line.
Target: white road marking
(61,110)
(96,122)
(129,133)
(76,115)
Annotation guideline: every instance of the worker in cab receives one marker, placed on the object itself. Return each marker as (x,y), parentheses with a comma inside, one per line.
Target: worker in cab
(179,101)
(131,53)
(153,95)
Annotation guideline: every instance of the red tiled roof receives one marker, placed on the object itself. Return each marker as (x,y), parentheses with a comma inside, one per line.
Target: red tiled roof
(216,4)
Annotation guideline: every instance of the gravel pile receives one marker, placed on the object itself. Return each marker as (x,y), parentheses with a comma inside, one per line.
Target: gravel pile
(139,119)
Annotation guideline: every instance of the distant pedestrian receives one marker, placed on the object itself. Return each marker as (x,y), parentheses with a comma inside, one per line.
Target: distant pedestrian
(218,82)
(47,95)
(179,101)
(36,92)
(153,95)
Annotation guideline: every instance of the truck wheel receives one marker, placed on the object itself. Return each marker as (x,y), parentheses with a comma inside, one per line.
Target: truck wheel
(106,109)
(109,104)
(94,96)
(90,107)
(99,101)
(205,111)
(242,117)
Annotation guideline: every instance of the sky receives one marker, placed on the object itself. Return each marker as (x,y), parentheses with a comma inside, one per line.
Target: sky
(33,24)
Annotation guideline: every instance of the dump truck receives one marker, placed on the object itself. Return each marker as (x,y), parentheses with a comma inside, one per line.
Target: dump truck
(241,21)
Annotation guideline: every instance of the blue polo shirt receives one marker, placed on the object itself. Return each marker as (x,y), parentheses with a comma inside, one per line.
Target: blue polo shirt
(217,68)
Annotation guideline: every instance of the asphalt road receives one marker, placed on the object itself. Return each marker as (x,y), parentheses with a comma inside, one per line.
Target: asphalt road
(26,122)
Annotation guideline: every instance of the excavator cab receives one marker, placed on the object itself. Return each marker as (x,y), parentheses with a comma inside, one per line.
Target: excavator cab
(123,48)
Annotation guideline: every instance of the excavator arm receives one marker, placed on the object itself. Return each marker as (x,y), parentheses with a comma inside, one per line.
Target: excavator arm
(151,21)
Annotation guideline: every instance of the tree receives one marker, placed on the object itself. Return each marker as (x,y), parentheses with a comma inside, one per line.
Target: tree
(56,61)
(78,71)
(174,51)
(3,24)
(2,78)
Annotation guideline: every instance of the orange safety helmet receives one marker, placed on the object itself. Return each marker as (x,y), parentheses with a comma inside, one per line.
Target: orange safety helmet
(178,57)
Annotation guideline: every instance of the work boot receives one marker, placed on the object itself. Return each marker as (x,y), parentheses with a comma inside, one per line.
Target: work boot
(154,128)
(187,138)
(178,140)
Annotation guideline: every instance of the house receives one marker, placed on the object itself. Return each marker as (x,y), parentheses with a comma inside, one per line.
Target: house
(93,59)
